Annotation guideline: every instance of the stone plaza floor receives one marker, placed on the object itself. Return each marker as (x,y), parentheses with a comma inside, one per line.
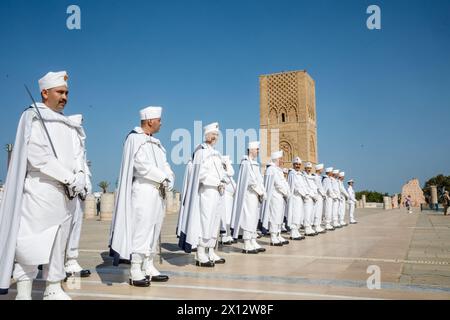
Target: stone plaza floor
(412,252)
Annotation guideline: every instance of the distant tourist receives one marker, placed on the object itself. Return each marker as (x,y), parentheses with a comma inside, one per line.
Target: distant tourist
(408,203)
(446,202)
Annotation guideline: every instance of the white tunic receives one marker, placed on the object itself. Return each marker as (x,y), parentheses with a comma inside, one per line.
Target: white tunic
(277,200)
(351,195)
(247,204)
(45,205)
(299,192)
(139,207)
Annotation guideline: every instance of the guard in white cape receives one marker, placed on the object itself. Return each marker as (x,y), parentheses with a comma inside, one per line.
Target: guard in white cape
(295,206)
(140,206)
(330,199)
(202,196)
(72,267)
(351,201)
(274,207)
(336,201)
(342,200)
(45,172)
(230,191)
(250,193)
(321,196)
(311,198)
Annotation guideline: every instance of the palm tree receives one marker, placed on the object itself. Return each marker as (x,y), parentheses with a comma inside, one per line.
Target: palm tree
(104,186)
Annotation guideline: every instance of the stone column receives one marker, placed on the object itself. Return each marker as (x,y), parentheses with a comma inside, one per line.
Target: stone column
(395,201)
(387,204)
(106,206)
(90,207)
(434,196)
(363,198)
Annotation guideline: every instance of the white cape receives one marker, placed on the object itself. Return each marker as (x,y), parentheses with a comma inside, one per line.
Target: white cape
(10,207)
(121,226)
(189,229)
(269,185)
(241,190)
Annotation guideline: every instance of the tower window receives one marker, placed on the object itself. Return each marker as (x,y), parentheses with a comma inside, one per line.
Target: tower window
(283,117)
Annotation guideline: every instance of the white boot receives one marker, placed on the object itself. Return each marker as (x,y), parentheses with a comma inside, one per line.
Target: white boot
(309,231)
(256,246)
(274,241)
(329,227)
(151,273)
(281,239)
(319,229)
(137,276)
(248,247)
(214,257)
(149,268)
(53,291)
(202,260)
(72,266)
(24,288)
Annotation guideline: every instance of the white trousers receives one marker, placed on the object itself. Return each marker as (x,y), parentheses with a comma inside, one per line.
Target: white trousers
(77,208)
(328,210)
(335,211)
(318,211)
(342,211)
(210,214)
(52,272)
(352,211)
(309,212)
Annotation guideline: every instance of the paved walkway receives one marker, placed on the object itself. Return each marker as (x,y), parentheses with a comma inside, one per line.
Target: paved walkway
(412,252)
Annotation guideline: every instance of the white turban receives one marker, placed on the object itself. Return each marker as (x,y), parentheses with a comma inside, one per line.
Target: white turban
(277,155)
(328,170)
(335,171)
(53,80)
(213,127)
(254,145)
(297,160)
(351,181)
(342,174)
(308,165)
(319,166)
(151,113)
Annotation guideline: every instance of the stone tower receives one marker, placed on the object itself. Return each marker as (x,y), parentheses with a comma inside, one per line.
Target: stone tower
(288,103)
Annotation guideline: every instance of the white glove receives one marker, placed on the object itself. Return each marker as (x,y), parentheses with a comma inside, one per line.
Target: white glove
(78,183)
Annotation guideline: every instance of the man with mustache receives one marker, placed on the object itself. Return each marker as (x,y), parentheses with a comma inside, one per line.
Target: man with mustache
(35,214)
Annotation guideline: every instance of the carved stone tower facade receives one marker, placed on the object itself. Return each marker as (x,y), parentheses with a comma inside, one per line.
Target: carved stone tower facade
(288,104)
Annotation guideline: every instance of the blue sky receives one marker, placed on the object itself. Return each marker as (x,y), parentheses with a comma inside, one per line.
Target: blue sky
(383,96)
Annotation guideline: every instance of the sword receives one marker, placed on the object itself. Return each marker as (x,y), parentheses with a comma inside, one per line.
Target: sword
(160,255)
(66,189)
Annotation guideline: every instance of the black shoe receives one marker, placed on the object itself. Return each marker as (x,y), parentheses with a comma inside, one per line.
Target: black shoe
(220,261)
(208,264)
(285,242)
(228,243)
(160,278)
(249,251)
(261,250)
(279,244)
(81,274)
(140,283)
(297,239)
